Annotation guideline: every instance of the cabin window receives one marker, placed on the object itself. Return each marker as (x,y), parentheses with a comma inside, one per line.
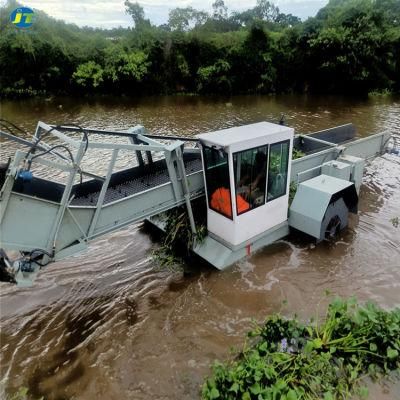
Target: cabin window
(250,168)
(217,180)
(278,170)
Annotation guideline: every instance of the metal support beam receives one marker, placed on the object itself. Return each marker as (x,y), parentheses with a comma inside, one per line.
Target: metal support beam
(9,183)
(129,133)
(186,191)
(133,140)
(64,201)
(102,193)
(60,135)
(147,141)
(40,146)
(170,156)
(53,164)
(313,139)
(77,224)
(112,146)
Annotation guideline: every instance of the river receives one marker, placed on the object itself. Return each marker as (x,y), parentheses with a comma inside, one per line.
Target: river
(108,324)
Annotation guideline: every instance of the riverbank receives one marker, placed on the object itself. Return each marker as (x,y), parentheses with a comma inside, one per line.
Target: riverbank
(257,51)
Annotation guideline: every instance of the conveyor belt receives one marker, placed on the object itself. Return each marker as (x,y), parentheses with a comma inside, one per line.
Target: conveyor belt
(133,186)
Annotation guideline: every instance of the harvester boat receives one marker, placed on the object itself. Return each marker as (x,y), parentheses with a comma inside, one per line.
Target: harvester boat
(245,175)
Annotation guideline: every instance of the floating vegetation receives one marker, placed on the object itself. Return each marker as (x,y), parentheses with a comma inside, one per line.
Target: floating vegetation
(395,222)
(288,360)
(17,93)
(22,394)
(179,238)
(380,93)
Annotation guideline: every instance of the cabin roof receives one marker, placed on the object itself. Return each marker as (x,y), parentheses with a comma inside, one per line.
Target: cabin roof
(240,134)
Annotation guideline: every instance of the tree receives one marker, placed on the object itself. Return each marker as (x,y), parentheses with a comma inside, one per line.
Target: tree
(287,20)
(390,9)
(182,19)
(352,46)
(244,18)
(136,11)
(125,67)
(214,78)
(353,52)
(266,11)
(220,10)
(88,75)
(254,67)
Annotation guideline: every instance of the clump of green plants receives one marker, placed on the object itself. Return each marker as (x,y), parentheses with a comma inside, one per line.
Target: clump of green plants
(297,154)
(288,360)
(17,93)
(395,222)
(179,238)
(22,394)
(292,191)
(380,93)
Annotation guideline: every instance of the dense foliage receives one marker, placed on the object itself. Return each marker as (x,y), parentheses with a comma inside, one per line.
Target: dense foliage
(289,360)
(350,46)
(179,239)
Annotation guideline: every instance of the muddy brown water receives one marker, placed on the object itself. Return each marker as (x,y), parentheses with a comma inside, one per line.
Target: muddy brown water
(108,324)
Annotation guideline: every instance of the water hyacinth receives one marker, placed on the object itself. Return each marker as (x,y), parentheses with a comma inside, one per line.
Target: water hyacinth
(284,345)
(289,360)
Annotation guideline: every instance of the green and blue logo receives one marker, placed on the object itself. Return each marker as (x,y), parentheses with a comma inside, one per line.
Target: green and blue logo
(22,17)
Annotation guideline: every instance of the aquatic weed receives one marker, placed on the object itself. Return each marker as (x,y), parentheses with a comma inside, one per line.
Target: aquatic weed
(286,359)
(21,394)
(179,238)
(296,153)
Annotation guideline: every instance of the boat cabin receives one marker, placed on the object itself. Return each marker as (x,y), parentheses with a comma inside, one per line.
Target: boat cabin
(247,177)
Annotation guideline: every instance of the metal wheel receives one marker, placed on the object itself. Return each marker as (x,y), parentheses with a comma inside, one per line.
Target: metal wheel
(333,227)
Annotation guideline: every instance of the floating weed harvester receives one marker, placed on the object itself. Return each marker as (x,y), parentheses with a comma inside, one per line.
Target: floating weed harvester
(243,174)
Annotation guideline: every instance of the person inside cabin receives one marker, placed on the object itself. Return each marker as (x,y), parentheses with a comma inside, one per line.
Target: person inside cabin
(218,182)
(252,182)
(221,202)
